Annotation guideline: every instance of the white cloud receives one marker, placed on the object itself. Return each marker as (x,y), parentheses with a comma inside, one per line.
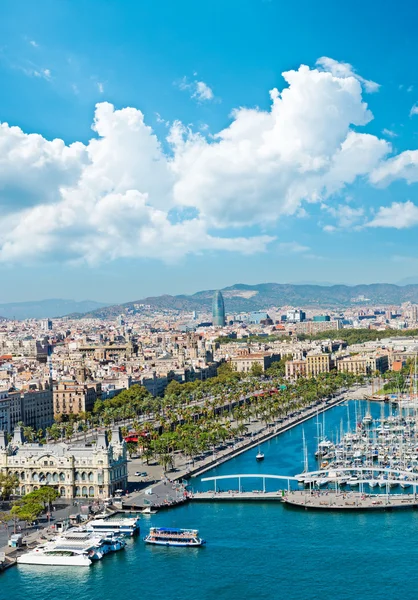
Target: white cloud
(100,87)
(402,166)
(33,43)
(293,248)
(199,90)
(400,215)
(342,69)
(345,215)
(414,110)
(329,228)
(389,133)
(266,163)
(117,195)
(203,91)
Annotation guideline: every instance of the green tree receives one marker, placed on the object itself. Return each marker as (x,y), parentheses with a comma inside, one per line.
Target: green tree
(256,369)
(26,511)
(8,483)
(45,494)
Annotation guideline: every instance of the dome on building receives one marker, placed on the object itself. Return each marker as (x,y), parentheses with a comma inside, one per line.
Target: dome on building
(218,310)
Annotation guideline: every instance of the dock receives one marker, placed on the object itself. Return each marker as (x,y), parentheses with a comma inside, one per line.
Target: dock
(352,501)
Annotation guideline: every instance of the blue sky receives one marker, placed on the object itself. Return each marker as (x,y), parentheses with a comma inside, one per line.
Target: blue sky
(154,200)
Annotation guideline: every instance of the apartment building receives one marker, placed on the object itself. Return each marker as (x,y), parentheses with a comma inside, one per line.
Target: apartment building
(71,397)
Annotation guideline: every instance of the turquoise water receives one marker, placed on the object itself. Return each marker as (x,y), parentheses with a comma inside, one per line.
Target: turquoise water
(256,551)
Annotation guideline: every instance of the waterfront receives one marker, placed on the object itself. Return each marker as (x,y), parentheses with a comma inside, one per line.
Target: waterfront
(261,550)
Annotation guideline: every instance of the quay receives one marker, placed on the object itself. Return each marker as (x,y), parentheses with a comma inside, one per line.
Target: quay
(352,501)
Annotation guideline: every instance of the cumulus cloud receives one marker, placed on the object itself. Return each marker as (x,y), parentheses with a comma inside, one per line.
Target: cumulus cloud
(400,215)
(346,216)
(199,90)
(402,166)
(265,163)
(116,196)
(342,69)
(414,110)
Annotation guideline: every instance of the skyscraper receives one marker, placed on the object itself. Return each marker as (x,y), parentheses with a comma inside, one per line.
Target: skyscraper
(218,310)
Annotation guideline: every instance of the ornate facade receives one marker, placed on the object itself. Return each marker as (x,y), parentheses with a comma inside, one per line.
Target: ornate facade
(76,471)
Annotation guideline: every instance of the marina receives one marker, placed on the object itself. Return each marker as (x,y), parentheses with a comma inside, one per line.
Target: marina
(273,519)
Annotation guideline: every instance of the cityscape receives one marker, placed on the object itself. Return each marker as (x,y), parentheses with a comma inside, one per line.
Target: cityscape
(209,309)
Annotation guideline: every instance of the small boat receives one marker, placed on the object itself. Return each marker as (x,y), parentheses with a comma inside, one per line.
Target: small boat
(166,536)
(260,455)
(148,510)
(372,483)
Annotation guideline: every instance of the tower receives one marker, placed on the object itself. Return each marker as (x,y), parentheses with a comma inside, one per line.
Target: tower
(218,310)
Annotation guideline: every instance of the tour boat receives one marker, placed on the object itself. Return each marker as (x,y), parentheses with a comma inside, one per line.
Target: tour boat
(165,536)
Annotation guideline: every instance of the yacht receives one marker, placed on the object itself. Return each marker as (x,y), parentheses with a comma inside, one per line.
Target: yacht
(128,526)
(163,536)
(48,555)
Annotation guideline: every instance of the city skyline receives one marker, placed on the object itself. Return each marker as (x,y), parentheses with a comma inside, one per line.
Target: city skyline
(139,177)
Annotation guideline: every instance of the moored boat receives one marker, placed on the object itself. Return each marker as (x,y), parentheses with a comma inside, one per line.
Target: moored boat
(165,536)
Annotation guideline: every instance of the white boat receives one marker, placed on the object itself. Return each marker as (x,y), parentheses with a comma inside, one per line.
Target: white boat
(49,556)
(260,455)
(165,536)
(148,511)
(372,483)
(124,526)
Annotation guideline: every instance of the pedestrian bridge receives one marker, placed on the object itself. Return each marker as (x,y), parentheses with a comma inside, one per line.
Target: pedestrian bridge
(241,476)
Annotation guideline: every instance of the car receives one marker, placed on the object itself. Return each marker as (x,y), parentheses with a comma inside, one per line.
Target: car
(137,474)
(144,474)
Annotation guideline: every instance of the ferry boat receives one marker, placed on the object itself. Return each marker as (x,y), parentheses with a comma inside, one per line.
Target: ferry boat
(128,526)
(163,536)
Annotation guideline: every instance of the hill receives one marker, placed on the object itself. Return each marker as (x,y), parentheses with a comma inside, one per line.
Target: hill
(243,297)
(42,309)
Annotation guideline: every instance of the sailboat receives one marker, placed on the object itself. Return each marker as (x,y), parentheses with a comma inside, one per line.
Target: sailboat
(260,455)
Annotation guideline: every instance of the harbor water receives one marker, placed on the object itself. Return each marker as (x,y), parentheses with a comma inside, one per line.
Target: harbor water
(254,550)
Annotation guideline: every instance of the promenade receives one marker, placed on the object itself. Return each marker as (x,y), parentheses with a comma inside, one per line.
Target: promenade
(165,495)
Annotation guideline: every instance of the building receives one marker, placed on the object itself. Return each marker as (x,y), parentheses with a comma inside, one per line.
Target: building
(312,327)
(245,359)
(46,325)
(321,318)
(317,363)
(33,408)
(363,365)
(218,310)
(71,397)
(295,316)
(295,369)
(95,471)
(4,411)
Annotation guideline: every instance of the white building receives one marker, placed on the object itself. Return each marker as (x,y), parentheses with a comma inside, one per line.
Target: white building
(95,471)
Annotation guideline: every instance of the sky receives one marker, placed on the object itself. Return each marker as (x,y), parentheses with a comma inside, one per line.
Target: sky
(151,147)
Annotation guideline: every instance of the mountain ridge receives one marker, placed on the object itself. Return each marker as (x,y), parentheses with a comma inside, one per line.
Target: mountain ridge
(242,297)
(49,308)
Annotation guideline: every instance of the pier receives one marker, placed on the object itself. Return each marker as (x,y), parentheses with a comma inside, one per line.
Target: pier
(333,500)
